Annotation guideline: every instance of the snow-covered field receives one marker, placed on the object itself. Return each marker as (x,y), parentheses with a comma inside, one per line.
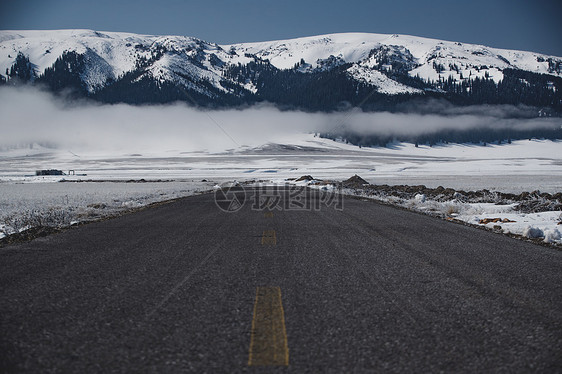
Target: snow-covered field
(24,204)
(521,166)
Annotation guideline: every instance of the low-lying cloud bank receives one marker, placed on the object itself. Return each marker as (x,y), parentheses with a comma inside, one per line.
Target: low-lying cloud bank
(32,116)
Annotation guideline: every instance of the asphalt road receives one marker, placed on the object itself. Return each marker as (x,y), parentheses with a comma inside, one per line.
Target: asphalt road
(186,287)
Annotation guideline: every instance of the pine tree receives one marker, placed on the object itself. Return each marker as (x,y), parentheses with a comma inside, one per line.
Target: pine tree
(21,70)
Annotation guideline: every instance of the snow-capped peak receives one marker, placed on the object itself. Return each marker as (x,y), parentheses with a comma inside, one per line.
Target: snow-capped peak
(206,67)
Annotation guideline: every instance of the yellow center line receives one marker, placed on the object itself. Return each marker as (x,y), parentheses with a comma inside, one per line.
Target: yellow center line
(268,341)
(268,214)
(269,237)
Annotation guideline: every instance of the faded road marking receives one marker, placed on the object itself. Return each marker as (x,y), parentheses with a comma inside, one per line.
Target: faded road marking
(180,284)
(268,214)
(268,342)
(269,237)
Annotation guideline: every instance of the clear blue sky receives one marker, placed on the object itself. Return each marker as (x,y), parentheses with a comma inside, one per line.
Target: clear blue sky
(534,25)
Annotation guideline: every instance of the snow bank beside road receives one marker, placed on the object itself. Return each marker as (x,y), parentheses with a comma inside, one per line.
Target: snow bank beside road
(540,225)
(533,215)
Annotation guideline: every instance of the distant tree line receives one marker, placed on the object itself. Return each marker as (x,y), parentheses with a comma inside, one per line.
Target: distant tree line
(315,90)
(482,136)
(21,72)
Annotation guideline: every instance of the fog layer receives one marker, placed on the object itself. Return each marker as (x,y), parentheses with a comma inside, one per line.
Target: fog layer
(32,116)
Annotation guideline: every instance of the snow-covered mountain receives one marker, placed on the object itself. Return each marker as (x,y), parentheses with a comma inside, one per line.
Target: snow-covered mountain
(110,66)
(373,50)
(110,55)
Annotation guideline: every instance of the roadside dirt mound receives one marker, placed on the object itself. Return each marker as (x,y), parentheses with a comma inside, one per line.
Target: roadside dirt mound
(355,182)
(527,202)
(304,178)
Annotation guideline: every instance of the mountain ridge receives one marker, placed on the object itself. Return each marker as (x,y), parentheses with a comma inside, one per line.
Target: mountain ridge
(389,68)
